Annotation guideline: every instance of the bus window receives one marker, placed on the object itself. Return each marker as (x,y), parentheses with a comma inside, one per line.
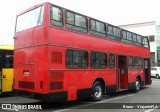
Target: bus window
(137,62)
(139,40)
(56,16)
(117,33)
(98,60)
(111,61)
(129,37)
(8,61)
(97,28)
(76,22)
(76,59)
(110,30)
(145,42)
(126,37)
(30,19)
(114,33)
(134,39)
(130,62)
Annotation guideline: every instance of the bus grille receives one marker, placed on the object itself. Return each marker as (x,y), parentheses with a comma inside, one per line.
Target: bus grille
(56,57)
(56,80)
(26,85)
(56,85)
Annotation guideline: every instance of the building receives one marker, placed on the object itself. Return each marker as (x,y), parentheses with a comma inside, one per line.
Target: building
(150,29)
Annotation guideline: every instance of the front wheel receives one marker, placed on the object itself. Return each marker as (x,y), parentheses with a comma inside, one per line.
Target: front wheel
(157,76)
(97,91)
(137,85)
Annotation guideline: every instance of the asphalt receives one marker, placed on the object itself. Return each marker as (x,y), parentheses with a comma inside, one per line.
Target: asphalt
(146,100)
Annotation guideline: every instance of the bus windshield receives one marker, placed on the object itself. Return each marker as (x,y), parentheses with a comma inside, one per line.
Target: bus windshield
(30,19)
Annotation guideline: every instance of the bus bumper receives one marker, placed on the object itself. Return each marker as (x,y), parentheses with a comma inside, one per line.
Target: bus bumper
(50,97)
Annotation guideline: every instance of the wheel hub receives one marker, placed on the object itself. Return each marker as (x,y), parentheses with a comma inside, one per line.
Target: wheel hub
(98,91)
(137,85)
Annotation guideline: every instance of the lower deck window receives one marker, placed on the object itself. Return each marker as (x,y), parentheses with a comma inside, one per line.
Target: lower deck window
(76,59)
(111,61)
(98,60)
(137,62)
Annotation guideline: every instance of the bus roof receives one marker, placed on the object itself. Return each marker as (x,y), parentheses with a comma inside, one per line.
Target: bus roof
(6,47)
(30,8)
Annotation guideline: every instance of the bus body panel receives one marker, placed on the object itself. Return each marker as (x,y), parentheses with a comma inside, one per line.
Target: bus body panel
(6,68)
(77,40)
(31,70)
(40,62)
(7,79)
(33,36)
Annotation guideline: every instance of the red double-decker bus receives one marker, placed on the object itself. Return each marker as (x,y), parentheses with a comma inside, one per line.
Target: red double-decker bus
(63,55)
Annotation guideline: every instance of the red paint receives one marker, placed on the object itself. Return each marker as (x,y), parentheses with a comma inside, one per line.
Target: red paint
(34,50)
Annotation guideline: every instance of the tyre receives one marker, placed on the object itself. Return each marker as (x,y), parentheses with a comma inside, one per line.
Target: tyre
(157,76)
(137,85)
(97,91)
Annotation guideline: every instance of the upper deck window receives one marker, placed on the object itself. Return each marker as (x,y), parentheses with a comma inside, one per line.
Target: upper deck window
(137,40)
(97,28)
(56,16)
(30,19)
(76,22)
(126,36)
(145,42)
(114,33)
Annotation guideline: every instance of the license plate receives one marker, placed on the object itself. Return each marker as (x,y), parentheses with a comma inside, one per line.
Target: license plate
(26,72)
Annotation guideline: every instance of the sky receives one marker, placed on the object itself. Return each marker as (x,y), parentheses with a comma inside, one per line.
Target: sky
(116,12)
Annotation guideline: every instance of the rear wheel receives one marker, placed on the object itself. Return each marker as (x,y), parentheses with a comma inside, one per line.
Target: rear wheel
(97,91)
(157,76)
(137,85)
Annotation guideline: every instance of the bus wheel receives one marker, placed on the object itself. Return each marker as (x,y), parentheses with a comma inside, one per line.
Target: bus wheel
(97,91)
(137,85)
(157,76)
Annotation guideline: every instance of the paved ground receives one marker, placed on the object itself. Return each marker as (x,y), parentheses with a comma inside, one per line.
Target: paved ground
(125,101)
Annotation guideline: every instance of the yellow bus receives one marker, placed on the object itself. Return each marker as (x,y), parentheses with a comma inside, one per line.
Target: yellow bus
(6,68)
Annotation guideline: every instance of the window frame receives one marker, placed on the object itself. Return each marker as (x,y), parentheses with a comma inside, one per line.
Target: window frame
(42,8)
(75,26)
(136,42)
(95,32)
(95,62)
(7,62)
(112,36)
(141,65)
(143,44)
(127,39)
(56,20)
(109,64)
(72,59)
(130,65)
(140,39)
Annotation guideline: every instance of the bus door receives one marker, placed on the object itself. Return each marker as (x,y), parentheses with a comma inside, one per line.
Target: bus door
(146,71)
(0,73)
(122,72)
